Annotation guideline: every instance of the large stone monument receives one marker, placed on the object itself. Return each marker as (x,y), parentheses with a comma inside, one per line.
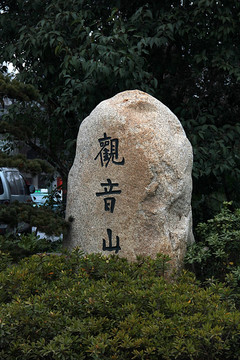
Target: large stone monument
(129,189)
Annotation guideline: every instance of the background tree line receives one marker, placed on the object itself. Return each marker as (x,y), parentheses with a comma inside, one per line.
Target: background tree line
(70,55)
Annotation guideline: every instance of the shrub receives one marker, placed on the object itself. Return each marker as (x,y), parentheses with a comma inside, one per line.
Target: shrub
(5,260)
(43,218)
(96,307)
(19,246)
(216,251)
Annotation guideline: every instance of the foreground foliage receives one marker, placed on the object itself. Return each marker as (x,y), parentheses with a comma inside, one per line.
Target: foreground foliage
(42,217)
(15,247)
(93,307)
(216,251)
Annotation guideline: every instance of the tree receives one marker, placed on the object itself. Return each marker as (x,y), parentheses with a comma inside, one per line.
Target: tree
(57,50)
(80,52)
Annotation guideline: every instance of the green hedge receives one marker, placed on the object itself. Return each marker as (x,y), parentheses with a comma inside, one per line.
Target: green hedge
(93,307)
(216,250)
(19,246)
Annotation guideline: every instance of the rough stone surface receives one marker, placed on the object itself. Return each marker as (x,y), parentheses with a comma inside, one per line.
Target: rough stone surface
(151,163)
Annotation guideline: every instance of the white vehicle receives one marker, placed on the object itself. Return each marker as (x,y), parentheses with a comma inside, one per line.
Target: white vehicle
(13,187)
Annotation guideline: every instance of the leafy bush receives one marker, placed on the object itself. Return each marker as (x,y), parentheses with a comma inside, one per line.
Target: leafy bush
(96,307)
(216,251)
(43,218)
(5,260)
(19,246)
(54,202)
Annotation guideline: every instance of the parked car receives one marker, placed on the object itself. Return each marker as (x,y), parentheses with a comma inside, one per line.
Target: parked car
(13,187)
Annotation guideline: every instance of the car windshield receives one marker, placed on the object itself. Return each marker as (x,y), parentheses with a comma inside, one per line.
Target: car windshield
(16,182)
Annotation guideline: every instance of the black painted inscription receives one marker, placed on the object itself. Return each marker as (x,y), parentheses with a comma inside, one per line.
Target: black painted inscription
(109,151)
(109,202)
(110,246)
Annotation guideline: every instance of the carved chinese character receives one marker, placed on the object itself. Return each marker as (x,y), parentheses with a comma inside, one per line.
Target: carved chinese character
(109,151)
(110,247)
(108,190)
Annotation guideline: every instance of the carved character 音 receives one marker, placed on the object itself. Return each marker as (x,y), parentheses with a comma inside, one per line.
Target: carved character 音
(108,190)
